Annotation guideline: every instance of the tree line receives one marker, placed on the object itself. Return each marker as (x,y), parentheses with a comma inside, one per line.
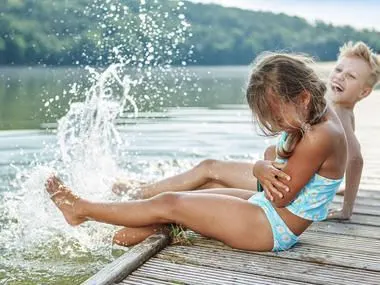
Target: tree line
(158,32)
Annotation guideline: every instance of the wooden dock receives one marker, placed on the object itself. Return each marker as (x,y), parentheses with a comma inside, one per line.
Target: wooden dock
(329,252)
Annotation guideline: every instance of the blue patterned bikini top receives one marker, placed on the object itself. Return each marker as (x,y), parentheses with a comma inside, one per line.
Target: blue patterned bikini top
(312,202)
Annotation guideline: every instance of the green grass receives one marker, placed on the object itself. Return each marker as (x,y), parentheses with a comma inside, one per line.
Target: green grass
(180,236)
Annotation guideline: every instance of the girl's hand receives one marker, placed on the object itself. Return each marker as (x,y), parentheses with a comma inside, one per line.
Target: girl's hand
(268,173)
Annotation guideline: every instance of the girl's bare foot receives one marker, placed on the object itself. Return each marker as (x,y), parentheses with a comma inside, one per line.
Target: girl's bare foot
(65,200)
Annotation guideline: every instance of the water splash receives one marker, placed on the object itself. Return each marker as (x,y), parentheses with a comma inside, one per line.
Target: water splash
(87,136)
(88,142)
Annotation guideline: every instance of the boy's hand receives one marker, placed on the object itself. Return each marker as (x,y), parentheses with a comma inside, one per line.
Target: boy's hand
(268,173)
(338,214)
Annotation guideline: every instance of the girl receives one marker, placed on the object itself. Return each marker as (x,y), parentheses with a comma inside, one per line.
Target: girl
(286,97)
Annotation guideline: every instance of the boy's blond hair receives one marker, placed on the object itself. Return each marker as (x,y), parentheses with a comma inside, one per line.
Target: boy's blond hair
(361,50)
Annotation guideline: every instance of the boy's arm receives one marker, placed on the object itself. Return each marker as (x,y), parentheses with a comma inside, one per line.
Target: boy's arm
(353,173)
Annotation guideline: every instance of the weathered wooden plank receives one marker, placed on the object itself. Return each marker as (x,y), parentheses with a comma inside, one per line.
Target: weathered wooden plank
(194,274)
(367,202)
(139,280)
(312,253)
(340,241)
(372,174)
(361,209)
(128,262)
(258,264)
(345,242)
(370,186)
(368,192)
(363,201)
(346,229)
(367,220)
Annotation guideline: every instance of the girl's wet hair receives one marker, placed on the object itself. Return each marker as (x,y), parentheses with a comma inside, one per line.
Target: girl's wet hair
(279,78)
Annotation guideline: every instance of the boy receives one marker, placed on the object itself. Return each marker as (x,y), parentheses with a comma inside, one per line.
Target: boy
(353,78)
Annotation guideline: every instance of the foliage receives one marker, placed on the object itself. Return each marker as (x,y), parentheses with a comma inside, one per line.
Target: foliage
(84,31)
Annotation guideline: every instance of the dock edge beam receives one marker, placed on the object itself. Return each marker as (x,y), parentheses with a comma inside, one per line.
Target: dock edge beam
(124,265)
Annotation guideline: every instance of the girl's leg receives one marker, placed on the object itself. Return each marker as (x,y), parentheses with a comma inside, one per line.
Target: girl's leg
(231,220)
(211,185)
(125,187)
(127,236)
(225,173)
(132,236)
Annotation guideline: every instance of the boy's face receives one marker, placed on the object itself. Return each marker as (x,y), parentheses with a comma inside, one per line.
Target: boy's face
(348,80)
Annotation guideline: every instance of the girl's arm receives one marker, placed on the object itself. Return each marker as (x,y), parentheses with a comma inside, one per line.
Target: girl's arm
(309,155)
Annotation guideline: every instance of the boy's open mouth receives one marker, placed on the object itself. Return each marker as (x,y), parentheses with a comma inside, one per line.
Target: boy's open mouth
(336,87)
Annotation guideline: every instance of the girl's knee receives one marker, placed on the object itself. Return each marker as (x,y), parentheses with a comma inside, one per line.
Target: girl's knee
(207,163)
(169,204)
(208,167)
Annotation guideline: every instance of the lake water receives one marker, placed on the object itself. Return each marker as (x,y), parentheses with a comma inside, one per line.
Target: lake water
(181,123)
